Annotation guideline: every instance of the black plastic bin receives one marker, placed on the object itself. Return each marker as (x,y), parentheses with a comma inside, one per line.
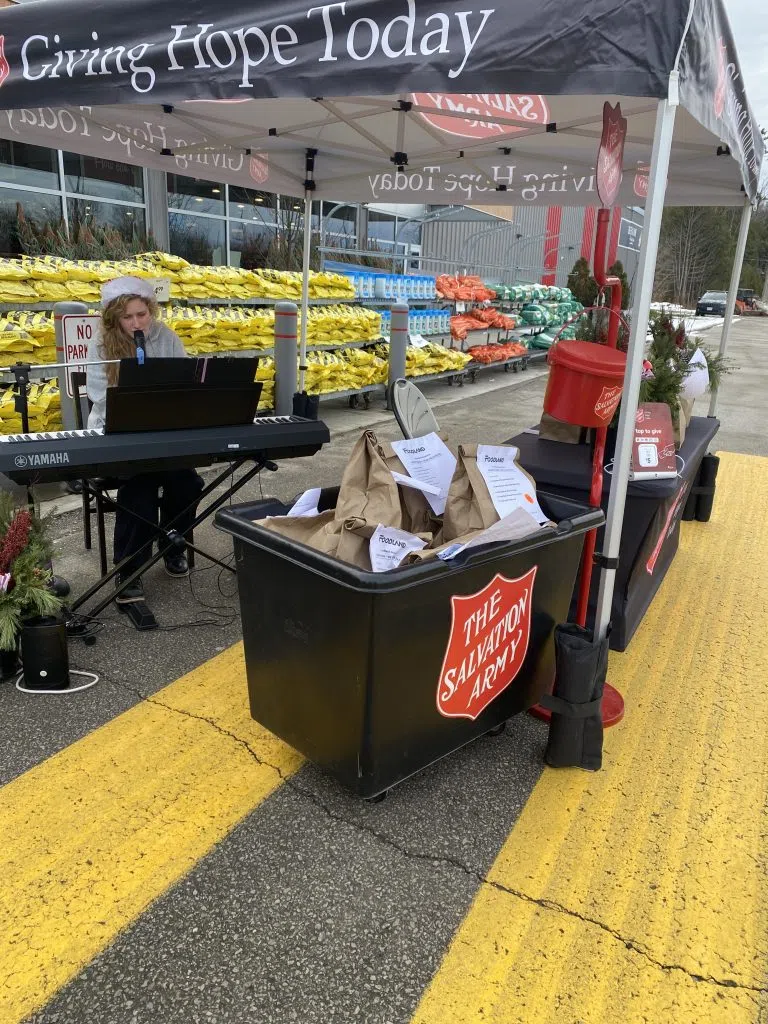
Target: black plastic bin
(352,668)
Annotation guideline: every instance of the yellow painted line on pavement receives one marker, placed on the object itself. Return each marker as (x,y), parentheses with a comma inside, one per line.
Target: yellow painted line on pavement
(93,835)
(637,894)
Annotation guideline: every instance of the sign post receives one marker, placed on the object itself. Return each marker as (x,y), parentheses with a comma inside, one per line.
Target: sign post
(60,310)
(75,330)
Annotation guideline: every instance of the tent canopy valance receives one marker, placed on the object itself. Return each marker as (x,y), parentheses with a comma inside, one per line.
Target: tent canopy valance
(381,95)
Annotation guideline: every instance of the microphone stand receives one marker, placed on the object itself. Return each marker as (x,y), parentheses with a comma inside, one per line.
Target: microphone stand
(139,342)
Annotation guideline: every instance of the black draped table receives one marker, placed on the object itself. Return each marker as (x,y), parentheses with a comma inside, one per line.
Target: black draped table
(654,508)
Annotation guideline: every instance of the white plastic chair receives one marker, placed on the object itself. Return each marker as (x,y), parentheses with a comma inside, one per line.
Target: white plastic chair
(412,411)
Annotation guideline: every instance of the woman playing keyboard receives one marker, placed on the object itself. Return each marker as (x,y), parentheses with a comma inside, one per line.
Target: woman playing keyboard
(129,305)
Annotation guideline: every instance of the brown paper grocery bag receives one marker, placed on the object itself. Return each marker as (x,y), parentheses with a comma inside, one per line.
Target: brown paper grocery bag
(355,542)
(551,429)
(368,490)
(469,507)
(320,532)
(684,414)
(413,557)
(417,514)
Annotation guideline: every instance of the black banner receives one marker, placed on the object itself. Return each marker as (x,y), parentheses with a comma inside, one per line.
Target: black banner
(76,52)
(712,89)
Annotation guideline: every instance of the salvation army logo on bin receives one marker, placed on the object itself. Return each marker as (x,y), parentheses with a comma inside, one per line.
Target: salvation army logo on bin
(483,110)
(487,646)
(608,402)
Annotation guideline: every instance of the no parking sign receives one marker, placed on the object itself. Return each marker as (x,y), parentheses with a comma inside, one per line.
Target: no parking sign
(78,331)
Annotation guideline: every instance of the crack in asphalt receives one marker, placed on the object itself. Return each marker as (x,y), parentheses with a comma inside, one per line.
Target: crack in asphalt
(438,859)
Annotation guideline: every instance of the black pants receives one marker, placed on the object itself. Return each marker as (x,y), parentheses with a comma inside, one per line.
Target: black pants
(180,488)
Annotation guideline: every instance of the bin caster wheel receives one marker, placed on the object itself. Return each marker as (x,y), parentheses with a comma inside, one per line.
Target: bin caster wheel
(498,730)
(367,400)
(379,798)
(89,641)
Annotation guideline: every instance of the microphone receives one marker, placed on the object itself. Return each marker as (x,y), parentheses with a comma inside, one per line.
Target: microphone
(138,340)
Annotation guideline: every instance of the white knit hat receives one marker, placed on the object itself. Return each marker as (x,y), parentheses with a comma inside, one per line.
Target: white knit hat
(126,286)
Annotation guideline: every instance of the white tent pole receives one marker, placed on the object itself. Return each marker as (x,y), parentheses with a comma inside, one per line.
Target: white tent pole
(305,287)
(738,263)
(657,187)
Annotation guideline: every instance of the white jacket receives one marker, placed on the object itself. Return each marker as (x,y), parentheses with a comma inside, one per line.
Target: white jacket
(160,341)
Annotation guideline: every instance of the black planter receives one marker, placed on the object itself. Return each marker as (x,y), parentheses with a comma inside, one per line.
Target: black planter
(9,664)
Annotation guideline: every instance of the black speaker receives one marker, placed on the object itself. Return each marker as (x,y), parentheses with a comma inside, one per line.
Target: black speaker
(44,653)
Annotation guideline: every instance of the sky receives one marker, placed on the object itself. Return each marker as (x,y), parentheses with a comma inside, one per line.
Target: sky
(750,30)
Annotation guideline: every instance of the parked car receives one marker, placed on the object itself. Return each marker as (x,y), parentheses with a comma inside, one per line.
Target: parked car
(712,304)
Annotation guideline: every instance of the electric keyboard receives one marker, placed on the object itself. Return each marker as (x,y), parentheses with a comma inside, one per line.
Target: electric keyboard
(75,454)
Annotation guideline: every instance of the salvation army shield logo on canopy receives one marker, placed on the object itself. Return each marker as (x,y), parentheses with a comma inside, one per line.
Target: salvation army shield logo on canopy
(641,182)
(610,157)
(722,79)
(490,631)
(483,111)
(258,168)
(5,69)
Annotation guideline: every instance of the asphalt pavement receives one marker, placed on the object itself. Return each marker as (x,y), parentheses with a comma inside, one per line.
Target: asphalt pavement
(309,905)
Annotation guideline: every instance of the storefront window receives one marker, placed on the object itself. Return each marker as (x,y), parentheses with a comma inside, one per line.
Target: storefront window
(250,244)
(195,195)
(36,207)
(28,165)
(250,204)
(408,231)
(108,178)
(197,239)
(339,225)
(127,220)
(381,228)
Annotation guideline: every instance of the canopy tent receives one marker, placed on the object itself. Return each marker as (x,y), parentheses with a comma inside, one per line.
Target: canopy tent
(373,87)
(372,100)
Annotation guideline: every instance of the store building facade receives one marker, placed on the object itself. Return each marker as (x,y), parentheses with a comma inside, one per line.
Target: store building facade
(213,223)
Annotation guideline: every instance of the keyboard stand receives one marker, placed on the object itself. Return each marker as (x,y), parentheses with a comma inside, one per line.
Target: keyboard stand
(137,611)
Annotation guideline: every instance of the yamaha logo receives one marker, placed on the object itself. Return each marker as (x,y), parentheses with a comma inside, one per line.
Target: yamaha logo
(39,461)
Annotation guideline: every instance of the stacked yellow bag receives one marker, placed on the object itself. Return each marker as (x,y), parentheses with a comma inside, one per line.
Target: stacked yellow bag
(266,373)
(329,325)
(39,327)
(206,329)
(15,283)
(16,345)
(433,358)
(44,408)
(55,279)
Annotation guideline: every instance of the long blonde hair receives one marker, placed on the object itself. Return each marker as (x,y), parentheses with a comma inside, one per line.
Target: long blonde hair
(115,343)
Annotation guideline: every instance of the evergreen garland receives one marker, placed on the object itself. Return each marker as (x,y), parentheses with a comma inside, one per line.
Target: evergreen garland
(24,549)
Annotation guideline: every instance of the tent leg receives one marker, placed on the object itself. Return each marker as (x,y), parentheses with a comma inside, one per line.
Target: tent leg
(657,186)
(305,288)
(738,262)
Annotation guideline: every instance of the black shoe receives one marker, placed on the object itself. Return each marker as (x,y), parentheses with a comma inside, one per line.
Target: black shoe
(58,586)
(130,594)
(177,565)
